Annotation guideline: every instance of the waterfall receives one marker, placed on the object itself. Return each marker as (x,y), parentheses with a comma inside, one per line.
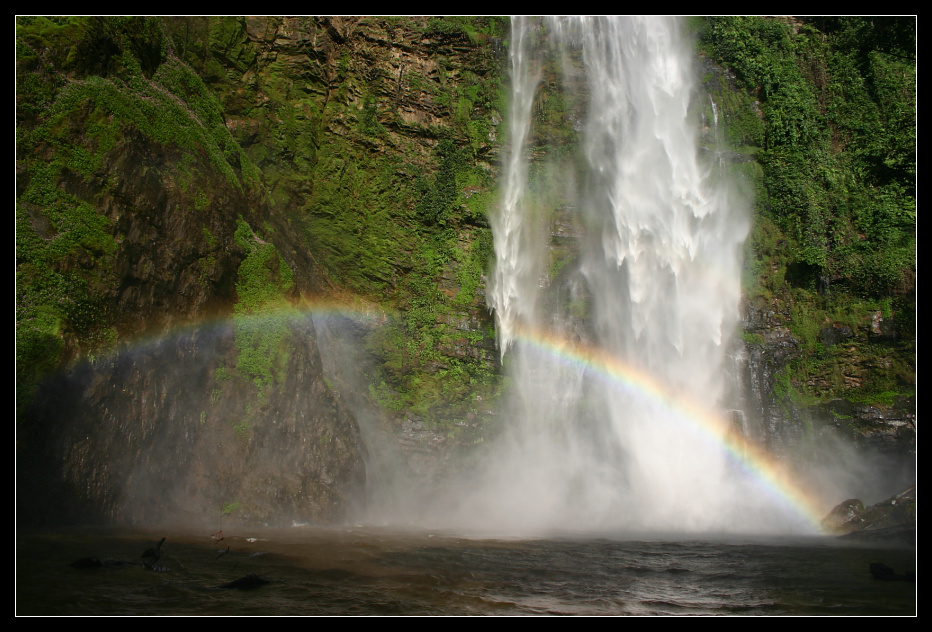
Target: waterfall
(616,352)
(515,276)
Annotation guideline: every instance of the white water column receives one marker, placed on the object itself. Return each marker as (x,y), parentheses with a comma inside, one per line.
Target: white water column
(635,445)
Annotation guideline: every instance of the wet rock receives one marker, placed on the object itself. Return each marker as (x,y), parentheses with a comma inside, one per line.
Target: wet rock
(834,334)
(885,573)
(162,433)
(87,562)
(845,516)
(249,582)
(892,517)
(882,330)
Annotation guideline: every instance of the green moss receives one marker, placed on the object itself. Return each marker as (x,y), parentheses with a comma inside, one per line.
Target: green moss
(856,369)
(356,219)
(752,339)
(263,313)
(369,118)
(55,298)
(242,429)
(473,265)
(209,237)
(834,225)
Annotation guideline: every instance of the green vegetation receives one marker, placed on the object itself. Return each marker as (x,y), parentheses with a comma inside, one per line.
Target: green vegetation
(836,143)
(263,313)
(64,249)
(124,86)
(356,220)
(383,175)
(65,245)
(473,28)
(827,107)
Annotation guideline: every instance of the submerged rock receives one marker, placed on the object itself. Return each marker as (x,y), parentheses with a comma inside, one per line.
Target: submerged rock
(249,582)
(87,562)
(885,573)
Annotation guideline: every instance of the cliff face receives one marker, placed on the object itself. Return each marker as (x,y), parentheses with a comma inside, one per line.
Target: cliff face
(166,365)
(165,433)
(179,363)
(848,446)
(378,142)
(827,357)
(189,189)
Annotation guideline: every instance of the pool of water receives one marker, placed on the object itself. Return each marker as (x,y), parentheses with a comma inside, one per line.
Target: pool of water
(370,571)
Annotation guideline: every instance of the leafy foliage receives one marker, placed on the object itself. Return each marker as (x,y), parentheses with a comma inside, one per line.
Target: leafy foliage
(835,226)
(838,151)
(438,196)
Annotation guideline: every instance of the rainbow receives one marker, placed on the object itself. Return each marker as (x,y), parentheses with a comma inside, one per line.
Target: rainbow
(355,309)
(753,459)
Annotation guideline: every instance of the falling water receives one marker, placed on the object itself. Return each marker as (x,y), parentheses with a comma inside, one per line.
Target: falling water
(617,359)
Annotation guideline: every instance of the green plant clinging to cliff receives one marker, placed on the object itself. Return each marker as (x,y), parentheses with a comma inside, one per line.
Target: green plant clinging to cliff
(263,313)
(835,233)
(123,85)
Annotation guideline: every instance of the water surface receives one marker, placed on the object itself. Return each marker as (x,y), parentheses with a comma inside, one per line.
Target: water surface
(357,571)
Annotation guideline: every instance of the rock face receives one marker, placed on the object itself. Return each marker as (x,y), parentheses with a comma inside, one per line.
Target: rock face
(175,262)
(347,118)
(162,434)
(181,390)
(168,429)
(358,155)
(789,426)
(893,518)
(231,419)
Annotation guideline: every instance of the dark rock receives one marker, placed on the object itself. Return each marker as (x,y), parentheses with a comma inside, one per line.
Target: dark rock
(87,562)
(792,429)
(885,573)
(903,535)
(249,582)
(834,334)
(157,432)
(888,519)
(844,515)
(152,554)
